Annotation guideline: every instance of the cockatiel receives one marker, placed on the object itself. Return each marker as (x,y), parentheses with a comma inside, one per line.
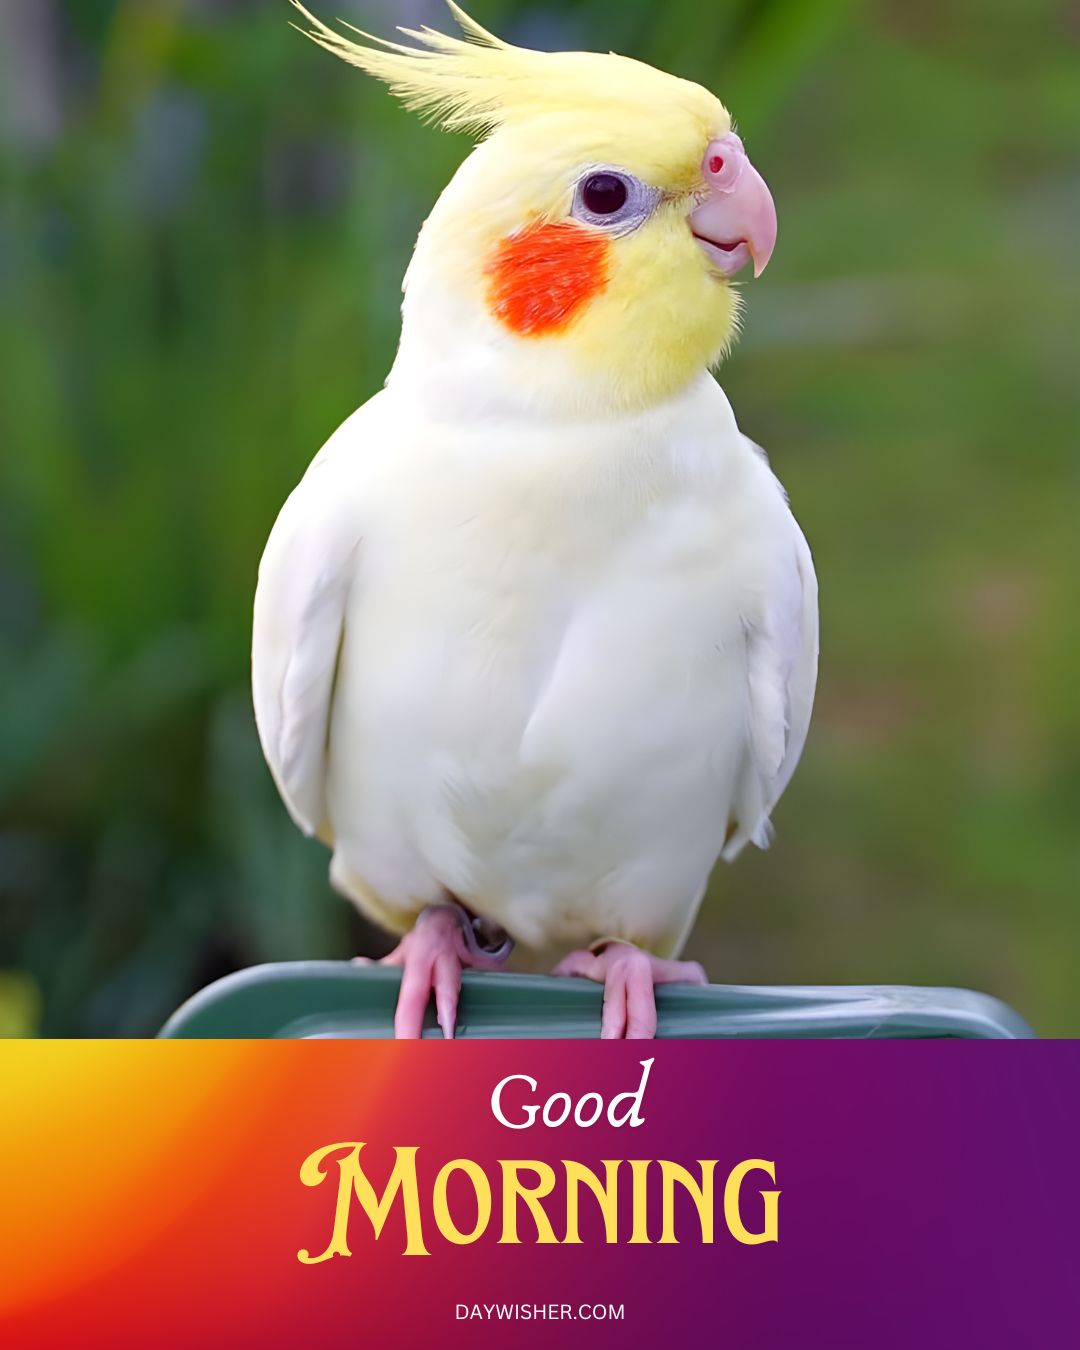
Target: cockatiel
(535,638)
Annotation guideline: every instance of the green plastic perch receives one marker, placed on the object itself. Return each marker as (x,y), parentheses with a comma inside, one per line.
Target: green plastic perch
(338,1000)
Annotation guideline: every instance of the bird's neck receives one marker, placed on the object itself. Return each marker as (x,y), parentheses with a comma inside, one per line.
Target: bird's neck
(456,362)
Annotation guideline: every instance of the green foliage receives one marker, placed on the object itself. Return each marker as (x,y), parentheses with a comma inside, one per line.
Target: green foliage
(203,227)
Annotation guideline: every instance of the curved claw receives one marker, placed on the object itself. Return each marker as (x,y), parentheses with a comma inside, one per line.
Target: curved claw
(629,977)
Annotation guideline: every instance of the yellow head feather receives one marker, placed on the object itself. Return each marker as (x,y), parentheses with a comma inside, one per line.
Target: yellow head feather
(478,83)
(541,116)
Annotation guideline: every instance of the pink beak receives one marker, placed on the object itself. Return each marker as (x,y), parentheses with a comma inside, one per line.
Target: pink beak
(737,220)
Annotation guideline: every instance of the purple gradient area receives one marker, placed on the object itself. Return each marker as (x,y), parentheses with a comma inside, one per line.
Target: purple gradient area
(928,1192)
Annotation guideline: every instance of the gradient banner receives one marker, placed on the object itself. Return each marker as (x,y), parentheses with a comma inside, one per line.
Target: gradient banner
(160,1194)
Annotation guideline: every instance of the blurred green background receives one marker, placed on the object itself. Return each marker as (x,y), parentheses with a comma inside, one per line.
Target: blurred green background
(203,228)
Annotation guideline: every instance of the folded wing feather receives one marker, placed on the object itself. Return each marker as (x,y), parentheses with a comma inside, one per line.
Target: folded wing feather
(299,621)
(781,671)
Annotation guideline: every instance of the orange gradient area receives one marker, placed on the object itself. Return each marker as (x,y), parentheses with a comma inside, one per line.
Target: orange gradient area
(104,1150)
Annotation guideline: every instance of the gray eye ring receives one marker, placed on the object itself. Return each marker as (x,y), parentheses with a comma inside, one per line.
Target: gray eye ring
(641,200)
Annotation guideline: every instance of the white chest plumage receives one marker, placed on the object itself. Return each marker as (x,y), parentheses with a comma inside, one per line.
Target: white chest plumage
(563,664)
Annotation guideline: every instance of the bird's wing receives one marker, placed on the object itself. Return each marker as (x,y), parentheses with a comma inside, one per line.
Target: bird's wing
(304,579)
(781,668)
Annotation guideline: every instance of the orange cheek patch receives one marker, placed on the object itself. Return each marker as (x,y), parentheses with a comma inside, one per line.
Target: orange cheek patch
(540,278)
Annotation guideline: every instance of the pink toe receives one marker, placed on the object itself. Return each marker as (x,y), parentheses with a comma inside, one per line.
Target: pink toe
(412,1000)
(613,1019)
(677,972)
(578,964)
(640,1003)
(447,991)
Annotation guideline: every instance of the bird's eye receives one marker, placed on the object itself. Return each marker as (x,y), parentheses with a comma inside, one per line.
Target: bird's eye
(603,193)
(612,200)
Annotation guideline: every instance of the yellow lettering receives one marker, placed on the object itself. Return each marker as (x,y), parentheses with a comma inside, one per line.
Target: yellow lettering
(702,1196)
(639,1170)
(513,1187)
(606,1193)
(353,1182)
(481,1186)
(771,1199)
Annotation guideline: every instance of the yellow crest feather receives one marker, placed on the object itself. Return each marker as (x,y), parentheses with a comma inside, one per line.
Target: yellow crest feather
(478,82)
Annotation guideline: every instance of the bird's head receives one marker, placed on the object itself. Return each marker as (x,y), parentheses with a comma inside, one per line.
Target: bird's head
(585,249)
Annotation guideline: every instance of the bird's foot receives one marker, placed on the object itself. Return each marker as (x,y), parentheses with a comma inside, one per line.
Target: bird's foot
(629,977)
(445,940)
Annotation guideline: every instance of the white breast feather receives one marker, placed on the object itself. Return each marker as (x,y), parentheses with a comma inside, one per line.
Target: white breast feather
(561,688)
